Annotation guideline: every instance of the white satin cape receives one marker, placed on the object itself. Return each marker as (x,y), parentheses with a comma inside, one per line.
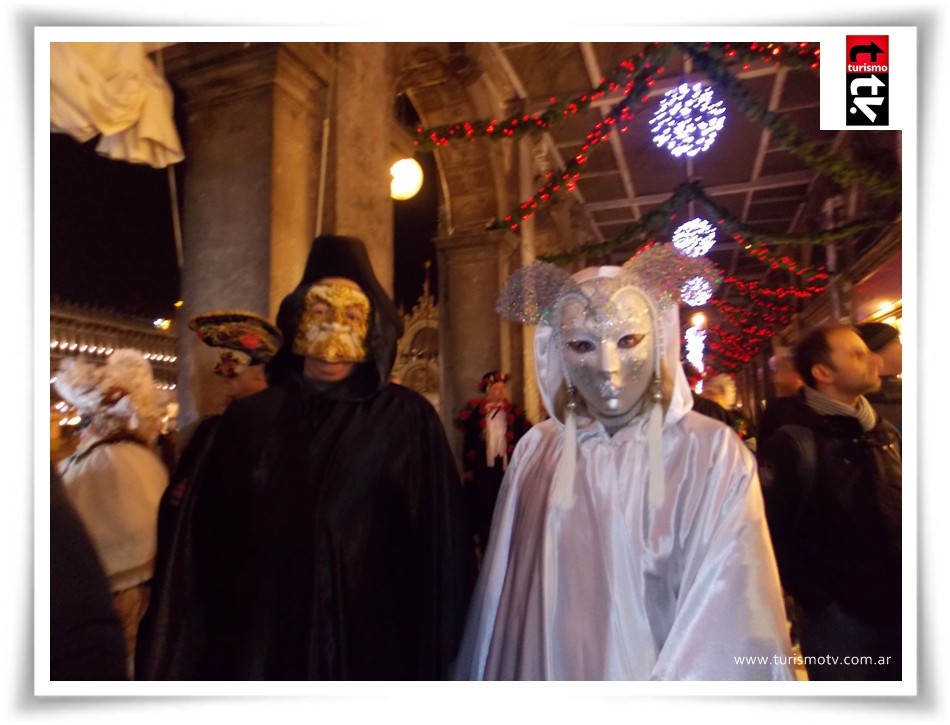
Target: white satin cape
(116,490)
(625,583)
(623,591)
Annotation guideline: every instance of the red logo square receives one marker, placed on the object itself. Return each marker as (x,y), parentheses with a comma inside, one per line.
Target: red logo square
(866,53)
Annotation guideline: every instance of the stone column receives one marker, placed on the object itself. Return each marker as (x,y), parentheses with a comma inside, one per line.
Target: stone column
(472,269)
(248,189)
(357,201)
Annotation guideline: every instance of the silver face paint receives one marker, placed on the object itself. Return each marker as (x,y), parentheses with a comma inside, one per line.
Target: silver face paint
(608,345)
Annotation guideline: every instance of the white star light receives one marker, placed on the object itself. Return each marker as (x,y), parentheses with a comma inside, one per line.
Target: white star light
(696,291)
(695,344)
(695,237)
(688,120)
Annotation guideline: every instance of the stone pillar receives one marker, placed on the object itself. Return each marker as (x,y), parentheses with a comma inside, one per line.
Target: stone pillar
(472,268)
(248,189)
(357,201)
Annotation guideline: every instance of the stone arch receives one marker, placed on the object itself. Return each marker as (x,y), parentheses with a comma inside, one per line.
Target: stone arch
(446,83)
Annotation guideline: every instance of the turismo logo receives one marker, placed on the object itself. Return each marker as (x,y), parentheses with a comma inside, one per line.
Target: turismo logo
(867,80)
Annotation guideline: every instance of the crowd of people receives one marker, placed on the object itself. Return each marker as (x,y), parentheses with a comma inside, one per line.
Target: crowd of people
(321,528)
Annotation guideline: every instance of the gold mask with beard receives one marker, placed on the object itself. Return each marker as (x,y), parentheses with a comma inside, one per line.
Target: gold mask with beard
(334,324)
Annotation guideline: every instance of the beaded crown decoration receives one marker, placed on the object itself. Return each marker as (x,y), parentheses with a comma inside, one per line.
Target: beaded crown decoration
(533,293)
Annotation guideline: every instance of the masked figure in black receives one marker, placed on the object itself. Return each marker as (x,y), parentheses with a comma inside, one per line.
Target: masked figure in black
(327,539)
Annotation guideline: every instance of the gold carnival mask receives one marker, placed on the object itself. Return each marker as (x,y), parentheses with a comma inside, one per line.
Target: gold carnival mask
(334,324)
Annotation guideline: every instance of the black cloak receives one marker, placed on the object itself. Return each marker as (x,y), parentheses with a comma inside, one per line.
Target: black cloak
(324,535)
(86,639)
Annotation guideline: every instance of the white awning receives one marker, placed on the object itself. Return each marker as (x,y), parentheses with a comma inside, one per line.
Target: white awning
(114,89)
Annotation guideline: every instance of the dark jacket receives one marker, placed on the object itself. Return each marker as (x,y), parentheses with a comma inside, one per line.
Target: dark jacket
(773,417)
(86,638)
(836,522)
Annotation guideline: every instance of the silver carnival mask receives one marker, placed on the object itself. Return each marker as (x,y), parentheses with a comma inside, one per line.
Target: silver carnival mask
(608,343)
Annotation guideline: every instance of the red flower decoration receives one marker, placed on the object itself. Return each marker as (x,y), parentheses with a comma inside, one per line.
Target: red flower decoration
(483,422)
(510,435)
(465,414)
(250,341)
(510,418)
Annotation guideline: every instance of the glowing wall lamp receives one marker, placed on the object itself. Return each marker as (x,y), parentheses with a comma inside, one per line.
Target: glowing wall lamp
(407,179)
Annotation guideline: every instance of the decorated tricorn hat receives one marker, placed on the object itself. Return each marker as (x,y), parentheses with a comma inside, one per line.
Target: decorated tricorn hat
(490,378)
(239,331)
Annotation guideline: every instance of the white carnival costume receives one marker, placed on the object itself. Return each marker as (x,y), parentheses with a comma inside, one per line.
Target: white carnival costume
(115,479)
(638,555)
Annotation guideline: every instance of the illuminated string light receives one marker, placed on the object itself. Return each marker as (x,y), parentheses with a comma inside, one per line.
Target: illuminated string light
(688,120)
(696,291)
(695,237)
(93,349)
(695,346)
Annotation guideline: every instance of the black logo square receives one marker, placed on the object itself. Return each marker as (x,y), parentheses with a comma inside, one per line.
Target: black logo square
(867,99)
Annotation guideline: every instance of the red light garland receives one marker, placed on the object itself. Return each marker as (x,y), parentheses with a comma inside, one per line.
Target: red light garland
(750,328)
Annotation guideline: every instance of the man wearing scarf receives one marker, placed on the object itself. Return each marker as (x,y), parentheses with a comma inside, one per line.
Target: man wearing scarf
(831,477)
(326,539)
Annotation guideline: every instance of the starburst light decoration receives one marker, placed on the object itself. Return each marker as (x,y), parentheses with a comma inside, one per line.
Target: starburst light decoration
(688,120)
(695,344)
(696,291)
(695,237)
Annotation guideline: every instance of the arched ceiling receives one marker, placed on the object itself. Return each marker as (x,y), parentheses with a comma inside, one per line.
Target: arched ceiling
(748,171)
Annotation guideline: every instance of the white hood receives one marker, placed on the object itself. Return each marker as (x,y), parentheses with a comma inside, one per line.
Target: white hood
(535,294)
(548,357)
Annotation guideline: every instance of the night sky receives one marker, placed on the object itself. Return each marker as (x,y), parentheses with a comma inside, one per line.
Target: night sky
(112,240)
(415,223)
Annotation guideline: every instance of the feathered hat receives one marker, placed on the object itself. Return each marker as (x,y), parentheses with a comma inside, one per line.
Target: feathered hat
(118,395)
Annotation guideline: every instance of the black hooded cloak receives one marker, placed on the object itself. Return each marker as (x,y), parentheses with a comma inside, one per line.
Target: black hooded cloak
(324,535)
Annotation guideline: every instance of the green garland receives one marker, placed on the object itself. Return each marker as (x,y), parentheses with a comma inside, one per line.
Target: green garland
(797,56)
(659,219)
(634,76)
(835,166)
(624,78)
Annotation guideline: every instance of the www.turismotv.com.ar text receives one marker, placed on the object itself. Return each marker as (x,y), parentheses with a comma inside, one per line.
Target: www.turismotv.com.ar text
(806,660)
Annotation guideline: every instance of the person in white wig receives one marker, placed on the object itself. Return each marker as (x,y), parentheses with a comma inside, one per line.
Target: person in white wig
(629,540)
(115,479)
